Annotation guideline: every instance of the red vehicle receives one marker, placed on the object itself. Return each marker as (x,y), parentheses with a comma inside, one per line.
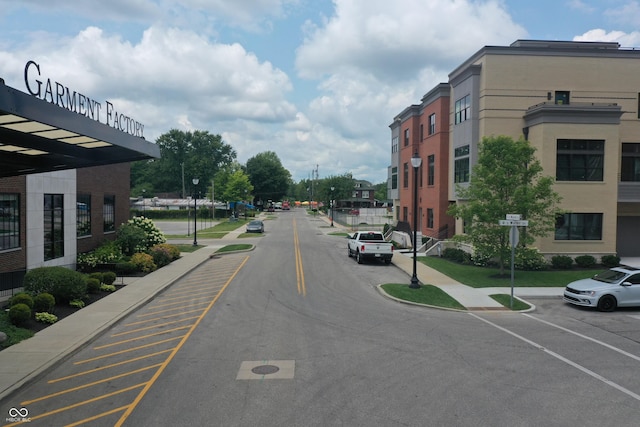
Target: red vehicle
(285,205)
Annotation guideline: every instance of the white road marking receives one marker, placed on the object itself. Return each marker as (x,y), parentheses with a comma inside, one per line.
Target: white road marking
(609,346)
(563,359)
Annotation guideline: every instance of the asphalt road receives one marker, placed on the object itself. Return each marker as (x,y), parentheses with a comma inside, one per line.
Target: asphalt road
(295,333)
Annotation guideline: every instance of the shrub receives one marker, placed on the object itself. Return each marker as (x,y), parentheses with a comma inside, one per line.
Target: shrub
(131,239)
(97,275)
(610,261)
(561,262)
(125,268)
(22,298)
(161,256)
(19,313)
(174,252)
(64,284)
(529,259)
(108,288)
(44,302)
(153,235)
(585,261)
(454,254)
(77,303)
(108,277)
(108,252)
(93,285)
(46,318)
(143,262)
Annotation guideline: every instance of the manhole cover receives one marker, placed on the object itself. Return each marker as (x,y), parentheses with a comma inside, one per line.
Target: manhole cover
(265,369)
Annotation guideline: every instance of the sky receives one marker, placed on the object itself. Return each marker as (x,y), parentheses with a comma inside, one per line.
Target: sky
(318,82)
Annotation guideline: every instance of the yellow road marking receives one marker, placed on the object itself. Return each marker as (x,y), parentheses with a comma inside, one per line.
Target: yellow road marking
(83,386)
(155,377)
(302,289)
(113,365)
(97,417)
(128,350)
(146,328)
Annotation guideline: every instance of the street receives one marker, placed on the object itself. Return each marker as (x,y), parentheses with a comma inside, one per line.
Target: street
(295,333)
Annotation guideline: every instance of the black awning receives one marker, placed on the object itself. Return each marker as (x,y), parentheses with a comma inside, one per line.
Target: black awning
(37,136)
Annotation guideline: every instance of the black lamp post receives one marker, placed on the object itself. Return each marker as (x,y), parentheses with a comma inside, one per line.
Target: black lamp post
(195,211)
(331,202)
(143,202)
(416,161)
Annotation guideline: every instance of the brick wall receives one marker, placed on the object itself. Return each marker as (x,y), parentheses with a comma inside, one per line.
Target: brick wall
(15,259)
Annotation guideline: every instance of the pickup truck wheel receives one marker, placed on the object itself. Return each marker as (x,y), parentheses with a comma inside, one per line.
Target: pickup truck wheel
(348,252)
(358,257)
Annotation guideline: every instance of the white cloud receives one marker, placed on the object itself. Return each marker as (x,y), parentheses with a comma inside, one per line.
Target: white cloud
(600,35)
(628,13)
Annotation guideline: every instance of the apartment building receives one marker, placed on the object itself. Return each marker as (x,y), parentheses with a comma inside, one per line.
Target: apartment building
(423,129)
(578,103)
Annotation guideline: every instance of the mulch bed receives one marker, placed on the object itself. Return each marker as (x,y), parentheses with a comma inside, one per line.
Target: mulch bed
(65,310)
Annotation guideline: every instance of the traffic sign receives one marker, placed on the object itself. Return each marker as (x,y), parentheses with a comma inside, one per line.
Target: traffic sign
(516,217)
(514,222)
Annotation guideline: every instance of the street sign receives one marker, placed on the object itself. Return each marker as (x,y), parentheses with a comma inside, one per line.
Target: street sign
(515,222)
(514,236)
(515,217)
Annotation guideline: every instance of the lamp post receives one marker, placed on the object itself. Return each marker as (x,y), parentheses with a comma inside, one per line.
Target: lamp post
(143,202)
(416,161)
(332,188)
(195,211)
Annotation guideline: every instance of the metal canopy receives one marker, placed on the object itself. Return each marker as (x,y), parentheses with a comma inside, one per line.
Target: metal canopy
(37,136)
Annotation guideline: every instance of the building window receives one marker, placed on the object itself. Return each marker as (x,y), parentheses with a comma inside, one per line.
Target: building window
(579,160)
(354,195)
(405,214)
(421,131)
(421,169)
(9,221)
(365,194)
(53,226)
(83,215)
(429,218)
(463,109)
(630,162)
(579,226)
(109,214)
(562,97)
(431,173)
(406,137)
(405,178)
(461,164)
(394,178)
(394,144)
(432,124)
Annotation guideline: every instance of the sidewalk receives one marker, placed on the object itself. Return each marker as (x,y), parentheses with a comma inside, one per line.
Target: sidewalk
(471,298)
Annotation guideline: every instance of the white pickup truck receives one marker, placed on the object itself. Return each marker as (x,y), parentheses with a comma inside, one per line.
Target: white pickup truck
(369,245)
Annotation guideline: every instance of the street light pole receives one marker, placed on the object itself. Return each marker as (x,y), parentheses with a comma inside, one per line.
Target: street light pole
(195,211)
(331,201)
(416,161)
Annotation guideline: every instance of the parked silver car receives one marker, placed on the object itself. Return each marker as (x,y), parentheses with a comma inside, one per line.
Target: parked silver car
(617,287)
(255,226)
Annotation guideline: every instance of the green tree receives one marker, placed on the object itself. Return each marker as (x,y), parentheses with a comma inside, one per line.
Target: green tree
(237,187)
(381,191)
(269,178)
(507,180)
(199,154)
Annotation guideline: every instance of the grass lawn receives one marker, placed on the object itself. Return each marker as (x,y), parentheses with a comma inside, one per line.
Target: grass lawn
(236,247)
(216,232)
(427,294)
(187,248)
(482,277)
(505,300)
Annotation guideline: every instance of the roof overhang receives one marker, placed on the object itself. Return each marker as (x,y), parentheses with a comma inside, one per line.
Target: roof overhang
(37,136)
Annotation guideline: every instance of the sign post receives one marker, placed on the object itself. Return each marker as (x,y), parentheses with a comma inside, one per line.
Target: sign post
(513,221)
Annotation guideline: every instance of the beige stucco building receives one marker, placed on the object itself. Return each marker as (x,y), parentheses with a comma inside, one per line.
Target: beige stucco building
(578,104)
